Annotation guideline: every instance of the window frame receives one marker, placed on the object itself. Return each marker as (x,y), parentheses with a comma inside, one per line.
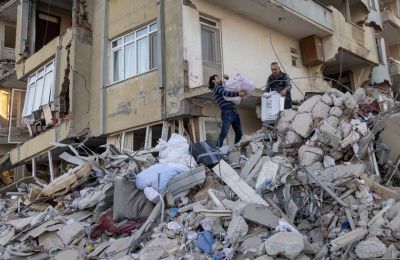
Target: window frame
(151,30)
(212,25)
(33,78)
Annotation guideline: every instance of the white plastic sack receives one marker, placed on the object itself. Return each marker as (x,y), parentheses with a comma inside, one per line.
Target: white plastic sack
(176,151)
(237,83)
(149,177)
(152,195)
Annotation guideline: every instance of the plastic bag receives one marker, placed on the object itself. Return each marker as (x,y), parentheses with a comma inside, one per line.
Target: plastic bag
(149,177)
(237,83)
(175,151)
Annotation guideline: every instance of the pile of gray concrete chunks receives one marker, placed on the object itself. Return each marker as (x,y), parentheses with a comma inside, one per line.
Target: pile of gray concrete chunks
(319,184)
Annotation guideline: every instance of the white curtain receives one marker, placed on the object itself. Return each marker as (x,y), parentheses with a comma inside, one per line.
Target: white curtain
(143,55)
(130,60)
(118,65)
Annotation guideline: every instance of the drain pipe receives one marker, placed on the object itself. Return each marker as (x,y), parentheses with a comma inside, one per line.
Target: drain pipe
(103,65)
(161,51)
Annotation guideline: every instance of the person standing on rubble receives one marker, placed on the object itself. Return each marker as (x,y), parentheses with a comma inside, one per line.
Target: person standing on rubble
(280,82)
(229,115)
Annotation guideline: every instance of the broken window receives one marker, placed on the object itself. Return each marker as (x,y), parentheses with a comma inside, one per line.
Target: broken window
(295,57)
(211,47)
(40,89)
(17,132)
(9,36)
(134,53)
(47,28)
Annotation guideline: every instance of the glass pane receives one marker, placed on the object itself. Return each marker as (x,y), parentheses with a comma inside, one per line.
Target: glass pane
(38,94)
(143,55)
(116,43)
(31,96)
(208,45)
(141,32)
(48,82)
(32,79)
(153,27)
(40,73)
(130,60)
(153,51)
(118,65)
(129,37)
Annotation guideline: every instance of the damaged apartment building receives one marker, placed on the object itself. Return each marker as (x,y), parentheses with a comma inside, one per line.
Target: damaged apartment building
(12,91)
(129,72)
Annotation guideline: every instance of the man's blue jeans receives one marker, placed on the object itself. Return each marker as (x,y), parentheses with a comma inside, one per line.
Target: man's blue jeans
(229,117)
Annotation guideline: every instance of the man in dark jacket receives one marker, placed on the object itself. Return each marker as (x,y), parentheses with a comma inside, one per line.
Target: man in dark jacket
(229,115)
(280,82)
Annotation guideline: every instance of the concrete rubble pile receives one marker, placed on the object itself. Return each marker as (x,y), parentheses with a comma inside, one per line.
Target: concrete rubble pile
(320,184)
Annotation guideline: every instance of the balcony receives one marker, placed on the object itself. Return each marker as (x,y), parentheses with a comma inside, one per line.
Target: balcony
(391,27)
(394,67)
(312,17)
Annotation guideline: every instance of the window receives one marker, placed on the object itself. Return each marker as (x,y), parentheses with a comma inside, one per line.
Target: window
(210,41)
(210,47)
(295,57)
(134,53)
(4,108)
(9,36)
(40,89)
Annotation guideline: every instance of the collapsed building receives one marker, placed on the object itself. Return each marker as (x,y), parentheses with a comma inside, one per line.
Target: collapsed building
(105,81)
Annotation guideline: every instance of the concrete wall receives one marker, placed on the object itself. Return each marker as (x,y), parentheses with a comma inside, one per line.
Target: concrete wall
(394,51)
(246,48)
(131,103)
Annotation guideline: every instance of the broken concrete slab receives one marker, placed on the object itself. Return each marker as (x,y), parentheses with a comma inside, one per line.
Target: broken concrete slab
(289,244)
(327,99)
(287,115)
(118,248)
(237,184)
(370,248)
(95,196)
(63,183)
(51,241)
(292,138)
(308,105)
(309,155)
(237,229)
(348,238)
(71,231)
(340,173)
(20,223)
(158,248)
(6,235)
(320,110)
(336,111)
(251,163)
(260,215)
(302,124)
(70,254)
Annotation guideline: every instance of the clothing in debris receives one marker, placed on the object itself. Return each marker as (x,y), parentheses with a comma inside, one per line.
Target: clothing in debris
(278,84)
(229,115)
